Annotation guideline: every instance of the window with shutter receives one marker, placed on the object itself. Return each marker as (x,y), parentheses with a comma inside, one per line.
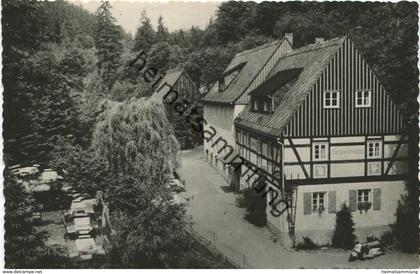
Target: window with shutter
(352,200)
(318,202)
(332,203)
(307,203)
(376,199)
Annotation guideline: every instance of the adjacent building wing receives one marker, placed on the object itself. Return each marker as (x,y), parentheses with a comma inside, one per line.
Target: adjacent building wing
(247,70)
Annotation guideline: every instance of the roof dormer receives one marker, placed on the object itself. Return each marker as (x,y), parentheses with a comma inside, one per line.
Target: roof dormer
(267,96)
(229,75)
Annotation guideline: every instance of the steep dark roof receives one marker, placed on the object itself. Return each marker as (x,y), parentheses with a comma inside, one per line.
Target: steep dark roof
(276,81)
(170,78)
(312,59)
(252,61)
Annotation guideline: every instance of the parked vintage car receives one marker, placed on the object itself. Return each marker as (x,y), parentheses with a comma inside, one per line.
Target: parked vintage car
(367,250)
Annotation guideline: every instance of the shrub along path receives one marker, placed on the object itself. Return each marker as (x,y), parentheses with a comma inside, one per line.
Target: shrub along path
(216,218)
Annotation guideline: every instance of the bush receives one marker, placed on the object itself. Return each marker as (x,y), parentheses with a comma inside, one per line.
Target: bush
(307,244)
(241,201)
(407,225)
(387,238)
(255,213)
(343,235)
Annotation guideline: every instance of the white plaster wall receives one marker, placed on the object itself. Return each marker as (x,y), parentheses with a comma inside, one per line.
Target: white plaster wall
(304,154)
(391,192)
(397,168)
(298,141)
(347,152)
(221,119)
(295,172)
(392,137)
(347,170)
(389,150)
(352,139)
(238,109)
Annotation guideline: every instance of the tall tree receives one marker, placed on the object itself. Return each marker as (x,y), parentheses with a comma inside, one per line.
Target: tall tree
(162,33)
(145,35)
(234,20)
(108,43)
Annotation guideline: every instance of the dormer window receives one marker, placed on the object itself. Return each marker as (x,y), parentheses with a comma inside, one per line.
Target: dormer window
(263,104)
(266,107)
(230,75)
(363,98)
(222,84)
(331,99)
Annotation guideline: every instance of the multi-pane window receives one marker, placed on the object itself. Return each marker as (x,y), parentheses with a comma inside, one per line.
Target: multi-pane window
(318,201)
(374,149)
(252,157)
(363,98)
(363,196)
(262,104)
(242,152)
(320,151)
(264,164)
(331,99)
(239,136)
(270,151)
(264,149)
(253,144)
(245,139)
(266,106)
(275,153)
(269,166)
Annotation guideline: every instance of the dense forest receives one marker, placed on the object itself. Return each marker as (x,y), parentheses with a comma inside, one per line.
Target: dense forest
(71,100)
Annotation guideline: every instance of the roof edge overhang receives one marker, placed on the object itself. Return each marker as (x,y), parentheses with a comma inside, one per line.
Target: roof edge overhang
(264,131)
(215,102)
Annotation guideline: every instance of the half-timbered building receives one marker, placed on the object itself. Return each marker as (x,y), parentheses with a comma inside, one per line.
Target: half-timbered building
(228,97)
(178,82)
(325,133)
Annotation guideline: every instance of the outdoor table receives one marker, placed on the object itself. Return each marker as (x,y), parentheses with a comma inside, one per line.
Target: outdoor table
(86,247)
(83,225)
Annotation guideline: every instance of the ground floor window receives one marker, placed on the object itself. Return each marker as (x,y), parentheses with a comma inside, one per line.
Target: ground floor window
(364,199)
(363,195)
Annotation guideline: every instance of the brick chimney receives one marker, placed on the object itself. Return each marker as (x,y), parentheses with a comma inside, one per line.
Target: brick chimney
(289,36)
(319,40)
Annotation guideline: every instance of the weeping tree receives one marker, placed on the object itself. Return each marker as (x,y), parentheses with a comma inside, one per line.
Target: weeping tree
(138,144)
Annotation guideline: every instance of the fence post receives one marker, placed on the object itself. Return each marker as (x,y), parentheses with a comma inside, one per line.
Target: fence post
(243,261)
